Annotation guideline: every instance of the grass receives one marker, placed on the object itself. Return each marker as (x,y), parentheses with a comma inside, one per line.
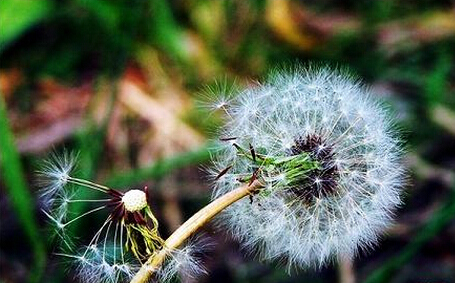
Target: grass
(19,15)
(160,168)
(437,222)
(19,194)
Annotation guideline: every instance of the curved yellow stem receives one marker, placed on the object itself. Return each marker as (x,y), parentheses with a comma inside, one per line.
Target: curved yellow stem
(190,227)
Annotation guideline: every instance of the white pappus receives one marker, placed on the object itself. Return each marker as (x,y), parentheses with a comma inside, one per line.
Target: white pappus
(186,262)
(328,157)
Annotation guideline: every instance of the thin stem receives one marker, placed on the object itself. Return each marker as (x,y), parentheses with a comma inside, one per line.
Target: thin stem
(115,242)
(121,242)
(190,227)
(88,184)
(84,214)
(68,255)
(88,200)
(95,238)
(105,239)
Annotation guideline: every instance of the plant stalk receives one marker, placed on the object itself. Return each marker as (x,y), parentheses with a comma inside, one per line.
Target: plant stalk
(190,227)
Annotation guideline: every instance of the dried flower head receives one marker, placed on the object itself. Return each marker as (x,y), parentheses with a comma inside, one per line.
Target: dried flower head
(328,157)
(128,236)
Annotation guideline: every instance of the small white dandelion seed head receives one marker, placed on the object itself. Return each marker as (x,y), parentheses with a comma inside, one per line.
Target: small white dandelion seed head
(339,206)
(134,200)
(113,254)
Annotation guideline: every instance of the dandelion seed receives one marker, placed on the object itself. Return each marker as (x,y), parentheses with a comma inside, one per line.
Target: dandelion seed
(224,91)
(328,157)
(186,262)
(53,175)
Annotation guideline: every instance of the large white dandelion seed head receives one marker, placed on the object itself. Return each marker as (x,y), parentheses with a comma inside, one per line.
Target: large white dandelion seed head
(335,177)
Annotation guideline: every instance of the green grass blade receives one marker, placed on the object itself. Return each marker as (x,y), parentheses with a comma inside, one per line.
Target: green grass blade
(161,168)
(437,222)
(19,15)
(19,195)
(89,144)
(166,33)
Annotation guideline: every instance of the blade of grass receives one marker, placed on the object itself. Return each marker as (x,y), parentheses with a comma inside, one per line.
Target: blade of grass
(165,31)
(89,144)
(19,15)
(19,195)
(436,82)
(437,222)
(160,168)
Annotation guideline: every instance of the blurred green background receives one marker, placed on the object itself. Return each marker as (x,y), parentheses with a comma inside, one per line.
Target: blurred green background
(118,81)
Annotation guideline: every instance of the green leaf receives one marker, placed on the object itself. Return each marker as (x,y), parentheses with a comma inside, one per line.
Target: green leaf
(18,193)
(19,15)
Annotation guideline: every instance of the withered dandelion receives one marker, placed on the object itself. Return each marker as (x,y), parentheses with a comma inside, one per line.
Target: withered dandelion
(127,237)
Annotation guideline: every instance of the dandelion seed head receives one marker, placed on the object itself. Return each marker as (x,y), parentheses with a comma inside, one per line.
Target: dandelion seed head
(327,121)
(134,200)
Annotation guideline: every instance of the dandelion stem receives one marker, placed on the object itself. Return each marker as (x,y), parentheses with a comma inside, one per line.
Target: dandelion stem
(190,227)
